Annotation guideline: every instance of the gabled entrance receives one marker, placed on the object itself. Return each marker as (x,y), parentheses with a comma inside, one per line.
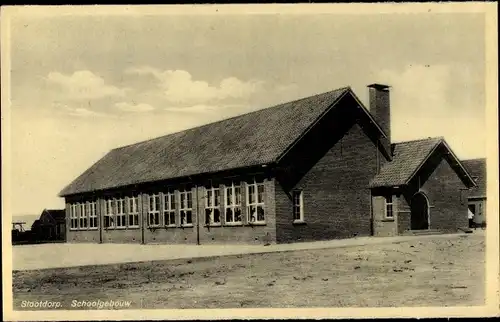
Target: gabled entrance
(419,211)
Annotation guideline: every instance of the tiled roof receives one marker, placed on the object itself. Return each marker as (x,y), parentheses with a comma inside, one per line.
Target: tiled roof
(407,158)
(477,168)
(251,139)
(56,213)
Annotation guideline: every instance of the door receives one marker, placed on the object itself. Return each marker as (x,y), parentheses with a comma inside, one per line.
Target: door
(419,212)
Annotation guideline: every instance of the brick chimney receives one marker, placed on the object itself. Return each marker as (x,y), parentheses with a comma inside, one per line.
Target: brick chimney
(380,107)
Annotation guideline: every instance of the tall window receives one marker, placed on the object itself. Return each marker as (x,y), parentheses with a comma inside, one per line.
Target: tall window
(73,216)
(212,204)
(169,209)
(92,206)
(233,204)
(186,204)
(154,210)
(120,213)
(133,211)
(83,216)
(298,205)
(388,207)
(255,202)
(109,221)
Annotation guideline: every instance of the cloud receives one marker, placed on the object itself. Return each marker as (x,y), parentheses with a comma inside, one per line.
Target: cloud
(179,87)
(141,107)
(83,85)
(77,110)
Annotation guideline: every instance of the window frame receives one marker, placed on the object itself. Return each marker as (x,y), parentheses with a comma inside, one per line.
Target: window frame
(299,206)
(83,216)
(233,204)
(121,214)
(167,211)
(93,215)
(184,206)
(387,205)
(73,224)
(109,206)
(213,204)
(133,212)
(156,211)
(255,184)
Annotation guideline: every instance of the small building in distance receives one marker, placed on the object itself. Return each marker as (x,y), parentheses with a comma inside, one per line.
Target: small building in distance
(51,226)
(477,195)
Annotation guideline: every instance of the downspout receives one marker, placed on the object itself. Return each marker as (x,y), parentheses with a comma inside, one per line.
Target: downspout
(142,219)
(197,217)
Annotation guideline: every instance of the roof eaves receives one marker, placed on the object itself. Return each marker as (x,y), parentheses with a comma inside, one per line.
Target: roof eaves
(461,165)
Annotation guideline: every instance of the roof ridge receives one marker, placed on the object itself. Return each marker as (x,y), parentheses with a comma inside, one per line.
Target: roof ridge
(423,139)
(232,117)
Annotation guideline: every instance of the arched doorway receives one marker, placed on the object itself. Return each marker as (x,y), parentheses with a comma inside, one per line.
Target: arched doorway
(419,211)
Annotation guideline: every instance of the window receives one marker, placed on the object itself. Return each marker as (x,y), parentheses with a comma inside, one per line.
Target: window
(255,202)
(73,216)
(169,209)
(233,204)
(92,206)
(298,206)
(186,208)
(120,213)
(133,211)
(212,204)
(154,210)
(388,207)
(109,221)
(83,216)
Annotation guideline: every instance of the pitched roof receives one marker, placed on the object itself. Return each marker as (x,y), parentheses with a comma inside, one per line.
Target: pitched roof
(408,157)
(477,168)
(56,213)
(251,139)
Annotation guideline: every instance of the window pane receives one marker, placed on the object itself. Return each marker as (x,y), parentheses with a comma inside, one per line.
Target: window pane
(237,214)
(237,195)
(217,198)
(216,215)
(229,215)
(260,213)
(172,218)
(209,198)
(251,193)
(172,202)
(188,217)
(261,193)
(252,213)
(208,214)
(229,196)
(189,200)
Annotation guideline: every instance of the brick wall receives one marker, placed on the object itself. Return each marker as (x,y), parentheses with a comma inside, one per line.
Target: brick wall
(383,226)
(245,233)
(443,188)
(335,189)
(448,202)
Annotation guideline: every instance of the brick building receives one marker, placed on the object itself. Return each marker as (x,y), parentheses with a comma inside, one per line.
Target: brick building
(321,167)
(477,195)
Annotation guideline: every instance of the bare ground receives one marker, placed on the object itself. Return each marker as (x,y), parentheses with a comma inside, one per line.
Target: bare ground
(431,272)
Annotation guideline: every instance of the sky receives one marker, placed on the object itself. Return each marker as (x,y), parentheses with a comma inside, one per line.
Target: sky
(83,85)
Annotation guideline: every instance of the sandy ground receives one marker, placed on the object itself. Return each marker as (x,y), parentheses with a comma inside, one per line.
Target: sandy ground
(432,271)
(27,257)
